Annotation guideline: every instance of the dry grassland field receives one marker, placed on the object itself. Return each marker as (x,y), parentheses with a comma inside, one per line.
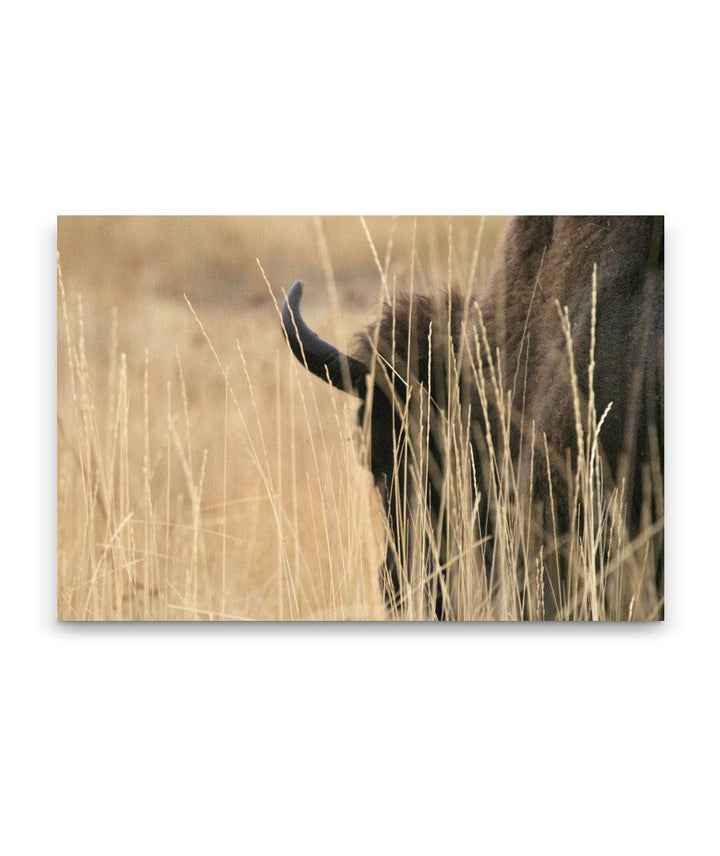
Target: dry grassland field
(205,474)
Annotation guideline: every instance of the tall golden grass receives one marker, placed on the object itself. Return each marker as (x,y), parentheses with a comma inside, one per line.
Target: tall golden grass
(204,475)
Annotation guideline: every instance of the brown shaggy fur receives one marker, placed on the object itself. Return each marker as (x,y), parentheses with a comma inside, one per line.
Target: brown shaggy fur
(544,261)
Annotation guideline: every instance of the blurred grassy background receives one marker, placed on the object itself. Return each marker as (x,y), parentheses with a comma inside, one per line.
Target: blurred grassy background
(172,506)
(213,259)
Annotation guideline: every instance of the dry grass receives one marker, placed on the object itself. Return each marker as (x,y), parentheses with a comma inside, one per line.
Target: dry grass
(202,474)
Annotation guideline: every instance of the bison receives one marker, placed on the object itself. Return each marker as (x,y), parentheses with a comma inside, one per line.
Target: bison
(515,435)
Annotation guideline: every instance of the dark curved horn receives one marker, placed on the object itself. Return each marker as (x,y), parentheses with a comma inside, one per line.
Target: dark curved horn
(318,356)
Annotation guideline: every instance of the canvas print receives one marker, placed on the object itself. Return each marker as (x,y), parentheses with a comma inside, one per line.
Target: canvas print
(360,418)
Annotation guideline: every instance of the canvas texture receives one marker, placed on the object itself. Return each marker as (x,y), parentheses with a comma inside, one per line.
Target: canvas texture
(360,418)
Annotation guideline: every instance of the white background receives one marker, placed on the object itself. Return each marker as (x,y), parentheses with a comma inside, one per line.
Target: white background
(347,739)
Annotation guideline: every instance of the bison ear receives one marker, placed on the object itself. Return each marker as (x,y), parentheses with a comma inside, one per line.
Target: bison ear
(318,356)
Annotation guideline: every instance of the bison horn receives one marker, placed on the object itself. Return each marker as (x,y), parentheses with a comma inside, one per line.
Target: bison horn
(318,356)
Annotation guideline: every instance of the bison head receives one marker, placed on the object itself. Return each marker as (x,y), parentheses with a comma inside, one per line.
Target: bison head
(400,375)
